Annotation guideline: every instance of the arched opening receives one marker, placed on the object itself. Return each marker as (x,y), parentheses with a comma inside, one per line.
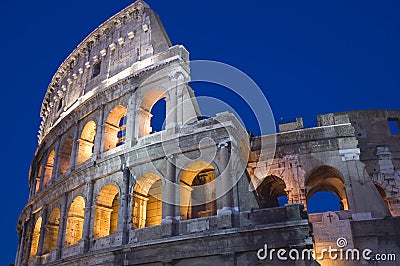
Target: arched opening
(158,110)
(74,229)
(147,201)
(38,178)
(323,201)
(146,112)
(106,213)
(382,193)
(49,168)
(86,142)
(35,238)
(65,156)
(115,128)
(325,179)
(51,233)
(198,191)
(271,192)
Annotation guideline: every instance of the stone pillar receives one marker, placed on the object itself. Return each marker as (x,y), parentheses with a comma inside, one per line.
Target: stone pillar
(21,246)
(32,191)
(42,231)
(54,172)
(132,183)
(225,184)
(36,181)
(168,191)
(75,148)
(180,106)
(363,198)
(139,211)
(87,223)
(99,138)
(169,224)
(42,174)
(171,111)
(130,120)
(31,227)
(62,226)
(125,199)
(137,126)
(184,108)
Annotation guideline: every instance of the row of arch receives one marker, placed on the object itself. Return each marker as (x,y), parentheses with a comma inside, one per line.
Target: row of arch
(197,199)
(114,135)
(325,191)
(197,196)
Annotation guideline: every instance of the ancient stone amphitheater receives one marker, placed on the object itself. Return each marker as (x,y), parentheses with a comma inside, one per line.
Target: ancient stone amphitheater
(105,189)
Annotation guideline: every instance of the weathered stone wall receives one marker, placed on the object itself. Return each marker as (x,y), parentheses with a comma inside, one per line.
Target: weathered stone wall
(80,175)
(130,36)
(358,148)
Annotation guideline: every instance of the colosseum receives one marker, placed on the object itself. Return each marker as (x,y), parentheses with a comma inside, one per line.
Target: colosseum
(107,189)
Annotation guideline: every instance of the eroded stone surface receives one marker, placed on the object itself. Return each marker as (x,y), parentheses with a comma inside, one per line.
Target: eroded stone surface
(101,179)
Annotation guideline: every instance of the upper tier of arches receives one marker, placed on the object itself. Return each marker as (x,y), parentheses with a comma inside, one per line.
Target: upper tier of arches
(130,36)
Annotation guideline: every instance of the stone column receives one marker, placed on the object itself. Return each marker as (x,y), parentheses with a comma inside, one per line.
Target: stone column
(169,225)
(168,191)
(34,175)
(21,246)
(62,225)
(36,180)
(31,227)
(180,105)
(42,231)
(125,199)
(139,211)
(130,120)
(54,172)
(75,148)
(171,111)
(225,184)
(42,174)
(99,138)
(87,223)
(132,184)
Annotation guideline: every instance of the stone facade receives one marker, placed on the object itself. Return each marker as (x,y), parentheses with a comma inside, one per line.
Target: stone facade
(108,190)
(353,155)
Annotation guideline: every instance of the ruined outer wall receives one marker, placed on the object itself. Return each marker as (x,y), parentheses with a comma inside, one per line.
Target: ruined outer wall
(300,152)
(359,149)
(380,149)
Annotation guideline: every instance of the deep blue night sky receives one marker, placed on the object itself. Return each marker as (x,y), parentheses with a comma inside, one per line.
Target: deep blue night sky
(309,57)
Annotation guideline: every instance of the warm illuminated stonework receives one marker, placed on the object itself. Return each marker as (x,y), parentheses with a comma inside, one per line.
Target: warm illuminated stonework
(102,182)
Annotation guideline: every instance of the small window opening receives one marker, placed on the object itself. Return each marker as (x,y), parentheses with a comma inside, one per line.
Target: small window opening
(96,69)
(122,131)
(394,126)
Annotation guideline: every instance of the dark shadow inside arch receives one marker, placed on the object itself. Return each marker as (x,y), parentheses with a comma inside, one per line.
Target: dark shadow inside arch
(271,192)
